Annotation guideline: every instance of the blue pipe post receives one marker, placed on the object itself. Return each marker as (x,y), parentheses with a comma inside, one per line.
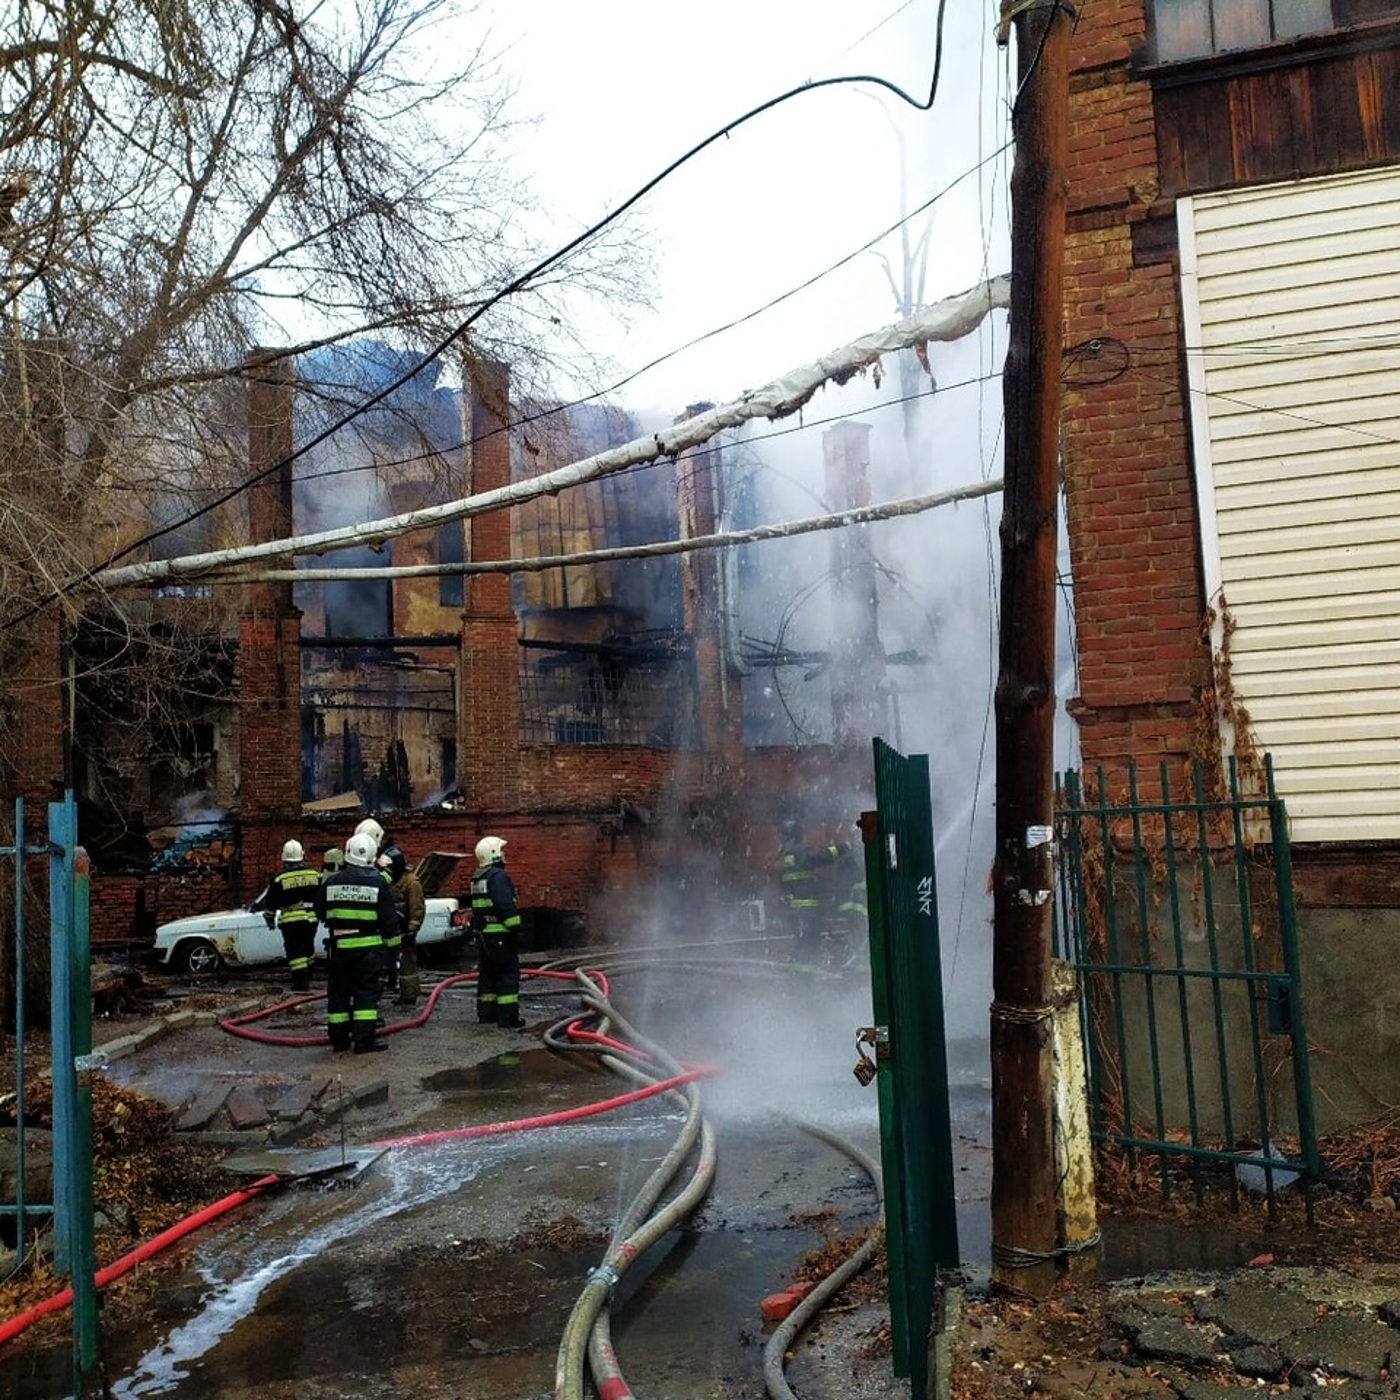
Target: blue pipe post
(71,1008)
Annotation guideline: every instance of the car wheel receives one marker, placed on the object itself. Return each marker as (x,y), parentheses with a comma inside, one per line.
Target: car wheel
(197,956)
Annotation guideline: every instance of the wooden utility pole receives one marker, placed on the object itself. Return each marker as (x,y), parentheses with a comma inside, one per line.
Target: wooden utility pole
(1024,1232)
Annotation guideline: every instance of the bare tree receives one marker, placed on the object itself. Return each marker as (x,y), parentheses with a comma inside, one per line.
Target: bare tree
(182,180)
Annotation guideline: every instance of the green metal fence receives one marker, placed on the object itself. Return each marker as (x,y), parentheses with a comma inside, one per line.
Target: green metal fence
(70,1020)
(1177,911)
(921,1230)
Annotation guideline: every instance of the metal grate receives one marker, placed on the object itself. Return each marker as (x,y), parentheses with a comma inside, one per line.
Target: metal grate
(647,706)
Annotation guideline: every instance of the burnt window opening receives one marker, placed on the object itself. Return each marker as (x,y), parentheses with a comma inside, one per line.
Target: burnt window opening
(359,607)
(636,690)
(1187,29)
(451,549)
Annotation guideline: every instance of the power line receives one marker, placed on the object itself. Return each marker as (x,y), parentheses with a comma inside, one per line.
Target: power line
(835,520)
(946,320)
(526,419)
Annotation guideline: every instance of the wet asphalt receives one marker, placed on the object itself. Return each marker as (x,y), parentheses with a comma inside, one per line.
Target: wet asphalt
(448,1265)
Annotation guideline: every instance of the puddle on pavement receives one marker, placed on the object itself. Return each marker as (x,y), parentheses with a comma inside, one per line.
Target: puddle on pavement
(1133,1247)
(487,1323)
(405,1285)
(537,1072)
(390,1289)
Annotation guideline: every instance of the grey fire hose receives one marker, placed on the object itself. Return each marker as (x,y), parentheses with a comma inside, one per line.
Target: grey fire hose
(587,1334)
(775,1353)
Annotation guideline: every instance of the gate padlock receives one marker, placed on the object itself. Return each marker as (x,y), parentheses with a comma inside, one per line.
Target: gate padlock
(865,1070)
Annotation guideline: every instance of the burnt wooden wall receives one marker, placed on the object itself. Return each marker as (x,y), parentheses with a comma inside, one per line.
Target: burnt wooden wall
(1314,107)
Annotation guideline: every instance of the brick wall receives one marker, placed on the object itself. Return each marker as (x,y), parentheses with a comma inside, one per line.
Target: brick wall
(594,832)
(34,733)
(125,909)
(1139,600)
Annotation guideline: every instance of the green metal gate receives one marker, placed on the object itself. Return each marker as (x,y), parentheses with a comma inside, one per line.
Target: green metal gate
(1177,912)
(921,1229)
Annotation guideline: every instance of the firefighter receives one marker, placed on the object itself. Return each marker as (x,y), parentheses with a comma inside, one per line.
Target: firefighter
(288,904)
(496,921)
(356,907)
(803,889)
(407,890)
(393,938)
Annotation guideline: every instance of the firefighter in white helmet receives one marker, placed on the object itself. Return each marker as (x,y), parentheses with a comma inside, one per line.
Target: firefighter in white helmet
(393,937)
(287,903)
(356,907)
(496,921)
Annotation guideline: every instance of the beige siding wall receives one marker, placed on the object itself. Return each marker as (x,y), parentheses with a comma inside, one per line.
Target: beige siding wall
(1291,300)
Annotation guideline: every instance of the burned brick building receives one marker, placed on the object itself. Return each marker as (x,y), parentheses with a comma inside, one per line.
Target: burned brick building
(607,718)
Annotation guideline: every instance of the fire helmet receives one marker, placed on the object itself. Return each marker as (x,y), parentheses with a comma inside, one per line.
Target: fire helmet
(371,828)
(359,850)
(333,859)
(490,850)
(292,851)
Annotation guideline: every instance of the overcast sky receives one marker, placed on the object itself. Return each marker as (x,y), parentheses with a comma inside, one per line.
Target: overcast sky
(621,88)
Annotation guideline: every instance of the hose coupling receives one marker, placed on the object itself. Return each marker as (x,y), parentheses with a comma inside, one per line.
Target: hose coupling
(604,1273)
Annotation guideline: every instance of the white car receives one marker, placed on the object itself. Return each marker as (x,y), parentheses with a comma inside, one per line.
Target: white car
(206,943)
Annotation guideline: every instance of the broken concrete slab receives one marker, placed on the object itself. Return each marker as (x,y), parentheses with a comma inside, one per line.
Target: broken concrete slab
(1343,1344)
(201,1110)
(1253,1306)
(297,1099)
(1164,1339)
(246,1109)
(349,1161)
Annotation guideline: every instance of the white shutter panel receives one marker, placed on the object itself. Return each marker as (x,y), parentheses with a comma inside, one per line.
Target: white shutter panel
(1291,295)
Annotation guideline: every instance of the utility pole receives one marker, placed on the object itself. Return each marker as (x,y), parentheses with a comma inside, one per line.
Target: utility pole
(1024,1206)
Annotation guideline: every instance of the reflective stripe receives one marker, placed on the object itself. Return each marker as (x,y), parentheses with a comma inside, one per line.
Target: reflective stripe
(339,915)
(355,940)
(291,892)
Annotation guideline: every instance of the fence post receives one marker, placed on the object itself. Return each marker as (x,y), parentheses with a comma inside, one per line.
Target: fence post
(71,1013)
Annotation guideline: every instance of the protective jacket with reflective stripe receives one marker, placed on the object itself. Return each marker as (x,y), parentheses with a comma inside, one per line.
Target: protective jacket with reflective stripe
(494,909)
(797,873)
(356,906)
(292,894)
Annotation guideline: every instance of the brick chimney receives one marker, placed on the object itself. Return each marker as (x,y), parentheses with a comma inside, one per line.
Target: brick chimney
(269,633)
(488,742)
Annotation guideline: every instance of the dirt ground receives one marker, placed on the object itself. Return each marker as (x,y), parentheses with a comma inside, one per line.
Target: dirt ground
(1180,1252)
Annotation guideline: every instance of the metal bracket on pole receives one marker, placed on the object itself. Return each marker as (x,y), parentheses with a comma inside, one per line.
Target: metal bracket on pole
(1012,10)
